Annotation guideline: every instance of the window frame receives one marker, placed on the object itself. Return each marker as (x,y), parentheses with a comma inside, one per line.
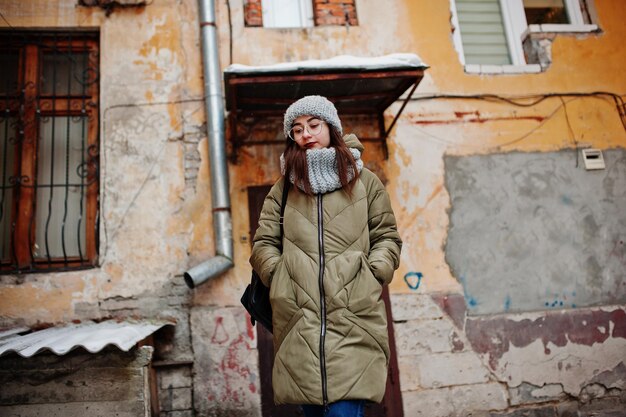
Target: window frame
(516,29)
(270,14)
(517,26)
(31,106)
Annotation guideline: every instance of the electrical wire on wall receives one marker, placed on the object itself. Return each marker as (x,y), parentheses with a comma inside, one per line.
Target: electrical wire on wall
(230,33)
(5,20)
(569,127)
(521,100)
(159,152)
(527,101)
(544,120)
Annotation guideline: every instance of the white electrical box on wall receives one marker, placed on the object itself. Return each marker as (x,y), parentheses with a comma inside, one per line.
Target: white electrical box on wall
(593,159)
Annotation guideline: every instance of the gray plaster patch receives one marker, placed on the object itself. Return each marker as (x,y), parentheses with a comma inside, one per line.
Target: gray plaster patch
(534,231)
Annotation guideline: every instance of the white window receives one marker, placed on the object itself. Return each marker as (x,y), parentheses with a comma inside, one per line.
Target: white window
(287,13)
(490,32)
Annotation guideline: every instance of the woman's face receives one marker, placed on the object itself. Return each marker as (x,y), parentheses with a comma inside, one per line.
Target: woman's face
(309,132)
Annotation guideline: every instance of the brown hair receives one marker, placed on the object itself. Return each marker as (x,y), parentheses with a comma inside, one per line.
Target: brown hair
(295,162)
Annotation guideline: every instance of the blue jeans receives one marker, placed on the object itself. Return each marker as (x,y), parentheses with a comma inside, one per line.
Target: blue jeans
(347,408)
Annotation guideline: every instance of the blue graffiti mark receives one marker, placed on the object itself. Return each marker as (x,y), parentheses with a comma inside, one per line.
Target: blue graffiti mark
(471,301)
(507,303)
(566,200)
(413,279)
(557,300)
(556,303)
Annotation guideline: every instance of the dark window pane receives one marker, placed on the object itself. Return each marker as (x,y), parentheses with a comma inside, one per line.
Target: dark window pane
(64,73)
(7,172)
(61,188)
(545,11)
(8,72)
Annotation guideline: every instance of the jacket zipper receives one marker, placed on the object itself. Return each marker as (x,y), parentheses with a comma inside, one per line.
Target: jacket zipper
(320,235)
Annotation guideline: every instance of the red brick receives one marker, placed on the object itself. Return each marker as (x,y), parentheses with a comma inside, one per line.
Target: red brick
(332,21)
(332,9)
(253,13)
(254,22)
(335,12)
(325,6)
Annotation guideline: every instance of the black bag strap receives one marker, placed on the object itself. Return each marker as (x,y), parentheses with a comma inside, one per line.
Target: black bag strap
(282,210)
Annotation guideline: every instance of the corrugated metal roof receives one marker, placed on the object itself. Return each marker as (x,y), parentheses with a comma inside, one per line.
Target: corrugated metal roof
(89,335)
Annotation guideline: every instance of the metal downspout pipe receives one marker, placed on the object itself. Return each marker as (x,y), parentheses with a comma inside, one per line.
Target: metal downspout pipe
(214,107)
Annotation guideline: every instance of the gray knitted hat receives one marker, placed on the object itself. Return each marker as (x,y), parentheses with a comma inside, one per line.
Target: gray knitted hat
(315,106)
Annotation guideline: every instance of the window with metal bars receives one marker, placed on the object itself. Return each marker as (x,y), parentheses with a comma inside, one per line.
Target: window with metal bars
(49,151)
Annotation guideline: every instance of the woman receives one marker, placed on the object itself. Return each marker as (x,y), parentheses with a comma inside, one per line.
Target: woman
(340,246)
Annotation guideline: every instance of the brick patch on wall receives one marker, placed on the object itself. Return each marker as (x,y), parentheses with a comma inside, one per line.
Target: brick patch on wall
(253,13)
(335,12)
(326,12)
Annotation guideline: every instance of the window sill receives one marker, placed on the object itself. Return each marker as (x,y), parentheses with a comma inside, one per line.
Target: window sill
(553,28)
(280,27)
(502,69)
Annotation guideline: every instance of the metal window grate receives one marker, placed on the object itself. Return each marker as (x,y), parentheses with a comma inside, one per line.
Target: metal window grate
(48,151)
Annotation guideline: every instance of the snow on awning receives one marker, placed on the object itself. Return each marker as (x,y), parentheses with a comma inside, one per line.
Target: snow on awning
(89,335)
(356,85)
(391,61)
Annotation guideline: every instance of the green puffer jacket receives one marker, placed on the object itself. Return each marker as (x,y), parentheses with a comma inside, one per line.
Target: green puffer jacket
(340,250)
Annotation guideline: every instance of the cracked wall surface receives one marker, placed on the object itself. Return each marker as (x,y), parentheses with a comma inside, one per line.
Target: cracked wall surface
(156,218)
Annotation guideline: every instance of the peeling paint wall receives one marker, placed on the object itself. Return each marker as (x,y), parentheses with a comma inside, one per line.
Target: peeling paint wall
(529,349)
(155,215)
(154,209)
(153,199)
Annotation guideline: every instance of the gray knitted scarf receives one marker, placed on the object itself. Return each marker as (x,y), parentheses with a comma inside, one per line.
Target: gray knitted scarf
(322,165)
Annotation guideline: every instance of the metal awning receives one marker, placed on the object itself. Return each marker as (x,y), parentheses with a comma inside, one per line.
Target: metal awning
(89,335)
(357,86)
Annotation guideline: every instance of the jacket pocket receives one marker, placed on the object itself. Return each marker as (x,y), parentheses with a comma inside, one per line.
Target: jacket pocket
(365,293)
(277,268)
(285,311)
(366,262)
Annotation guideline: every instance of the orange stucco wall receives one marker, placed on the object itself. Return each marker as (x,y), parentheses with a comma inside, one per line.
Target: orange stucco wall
(150,59)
